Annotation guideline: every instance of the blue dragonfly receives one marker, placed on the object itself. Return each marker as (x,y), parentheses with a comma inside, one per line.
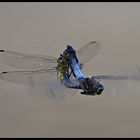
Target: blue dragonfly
(39,71)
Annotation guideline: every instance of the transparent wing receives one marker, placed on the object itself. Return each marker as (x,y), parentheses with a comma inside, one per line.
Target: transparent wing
(29,61)
(88,51)
(43,82)
(123,82)
(25,61)
(23,77)
(131,74)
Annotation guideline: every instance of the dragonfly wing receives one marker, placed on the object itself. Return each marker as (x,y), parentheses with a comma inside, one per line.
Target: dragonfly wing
(53,89)
(24,77)
(44,82)
(29,61)
(88,51)
(119,82)
(25,61)
(120,76)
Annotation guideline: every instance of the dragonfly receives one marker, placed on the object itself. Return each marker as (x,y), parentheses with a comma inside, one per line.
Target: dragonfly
(41,74)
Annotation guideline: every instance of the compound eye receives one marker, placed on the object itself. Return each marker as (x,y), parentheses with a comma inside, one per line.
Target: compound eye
(99,90)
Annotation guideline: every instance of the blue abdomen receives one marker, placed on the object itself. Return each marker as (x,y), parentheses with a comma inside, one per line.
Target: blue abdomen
(76,69)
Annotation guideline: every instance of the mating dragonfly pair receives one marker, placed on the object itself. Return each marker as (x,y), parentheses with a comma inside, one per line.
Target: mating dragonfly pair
(41,71)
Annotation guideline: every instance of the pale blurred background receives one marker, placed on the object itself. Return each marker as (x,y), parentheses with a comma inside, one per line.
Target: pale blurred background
(46,28)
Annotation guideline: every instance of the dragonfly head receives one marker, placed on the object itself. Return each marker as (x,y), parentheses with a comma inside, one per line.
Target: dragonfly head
(91,87)
(69,48)
(69,53)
